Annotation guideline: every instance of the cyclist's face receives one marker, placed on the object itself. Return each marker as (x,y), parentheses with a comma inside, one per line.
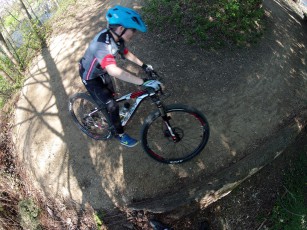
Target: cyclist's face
(127,36)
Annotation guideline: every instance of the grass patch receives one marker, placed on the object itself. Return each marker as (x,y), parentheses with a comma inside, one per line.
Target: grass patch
(290,210)
(34,38)
(98,217)
(29,212)
(208,23)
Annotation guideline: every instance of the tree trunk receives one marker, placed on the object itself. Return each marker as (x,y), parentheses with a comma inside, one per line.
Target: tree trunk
(7,76)
(12,15)
(10,42)
(7,51)
(34,26)
(57,3)
(23,6)
(39,22)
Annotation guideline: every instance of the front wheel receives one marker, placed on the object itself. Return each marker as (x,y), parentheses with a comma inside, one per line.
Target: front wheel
(93,122)
(190,127)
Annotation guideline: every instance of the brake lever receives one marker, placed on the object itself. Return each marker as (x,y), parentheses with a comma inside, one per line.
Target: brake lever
(161,90)
(153,75)
(156,75)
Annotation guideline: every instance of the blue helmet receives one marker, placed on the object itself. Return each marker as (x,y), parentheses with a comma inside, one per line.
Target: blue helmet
(126,17)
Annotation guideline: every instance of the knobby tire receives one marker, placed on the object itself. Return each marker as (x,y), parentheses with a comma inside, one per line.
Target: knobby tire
(96,126)
(189,124)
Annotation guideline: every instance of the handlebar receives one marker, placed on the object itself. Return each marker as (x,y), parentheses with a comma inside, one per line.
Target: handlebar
(153,75)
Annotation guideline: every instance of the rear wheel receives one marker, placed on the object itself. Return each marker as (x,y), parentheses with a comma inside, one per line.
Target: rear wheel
(94,123)
(190,127)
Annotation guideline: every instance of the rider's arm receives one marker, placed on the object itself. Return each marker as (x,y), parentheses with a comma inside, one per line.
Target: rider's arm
(131,57)
(121,74)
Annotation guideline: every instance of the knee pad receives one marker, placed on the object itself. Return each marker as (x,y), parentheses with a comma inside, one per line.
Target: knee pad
(112,106)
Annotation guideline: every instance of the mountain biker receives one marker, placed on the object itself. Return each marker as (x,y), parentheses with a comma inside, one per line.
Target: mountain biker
(99,63)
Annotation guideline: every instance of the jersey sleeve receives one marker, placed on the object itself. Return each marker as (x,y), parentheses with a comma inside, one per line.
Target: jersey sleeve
(104,55)
(126,51)
(107,60)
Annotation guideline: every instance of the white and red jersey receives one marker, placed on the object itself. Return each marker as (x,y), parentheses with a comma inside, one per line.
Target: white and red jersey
(101,52)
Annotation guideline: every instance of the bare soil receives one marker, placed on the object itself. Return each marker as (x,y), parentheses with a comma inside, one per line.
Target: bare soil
(105,174)
(250,205)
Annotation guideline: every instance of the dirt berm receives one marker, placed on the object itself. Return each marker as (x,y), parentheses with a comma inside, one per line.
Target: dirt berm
(254,99)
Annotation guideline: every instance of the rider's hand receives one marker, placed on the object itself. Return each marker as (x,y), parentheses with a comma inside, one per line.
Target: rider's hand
(147,68)
(156,85)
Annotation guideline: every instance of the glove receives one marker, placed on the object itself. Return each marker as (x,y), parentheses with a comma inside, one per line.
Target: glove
(152,84)
(147,68)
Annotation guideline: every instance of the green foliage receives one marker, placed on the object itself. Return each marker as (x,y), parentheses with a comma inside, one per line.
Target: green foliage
(209,22)
(98,218)
(7,88)
(34,39)
(29,213)
(290,211)
(10,21)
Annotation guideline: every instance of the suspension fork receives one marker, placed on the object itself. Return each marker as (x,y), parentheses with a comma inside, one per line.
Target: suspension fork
(166,120)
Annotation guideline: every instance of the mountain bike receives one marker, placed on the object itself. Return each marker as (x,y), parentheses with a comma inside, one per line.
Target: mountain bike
(171,134)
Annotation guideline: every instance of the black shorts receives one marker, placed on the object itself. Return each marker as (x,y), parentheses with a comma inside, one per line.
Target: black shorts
(103,94)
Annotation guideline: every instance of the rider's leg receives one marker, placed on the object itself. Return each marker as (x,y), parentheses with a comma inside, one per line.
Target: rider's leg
(123,138)
(104,96)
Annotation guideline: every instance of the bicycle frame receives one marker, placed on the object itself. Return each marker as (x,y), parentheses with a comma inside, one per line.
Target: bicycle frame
(162,126)
(139,96)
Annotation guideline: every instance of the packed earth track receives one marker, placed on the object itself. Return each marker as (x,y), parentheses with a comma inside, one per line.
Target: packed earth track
(254,99)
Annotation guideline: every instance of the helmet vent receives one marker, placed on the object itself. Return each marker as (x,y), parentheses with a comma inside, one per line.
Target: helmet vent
(135,19)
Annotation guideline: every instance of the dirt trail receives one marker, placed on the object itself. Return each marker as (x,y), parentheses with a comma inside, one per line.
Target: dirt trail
(254,99)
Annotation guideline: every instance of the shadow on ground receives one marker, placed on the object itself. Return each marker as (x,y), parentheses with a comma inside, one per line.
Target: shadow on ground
(254,99)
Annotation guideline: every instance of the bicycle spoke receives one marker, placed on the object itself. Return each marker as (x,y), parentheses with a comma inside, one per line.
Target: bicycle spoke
(190,134)
(95,124)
